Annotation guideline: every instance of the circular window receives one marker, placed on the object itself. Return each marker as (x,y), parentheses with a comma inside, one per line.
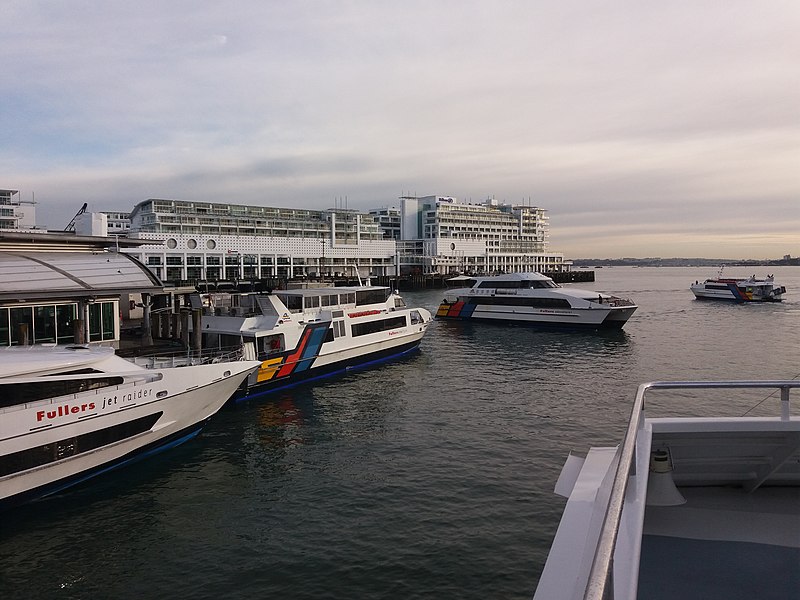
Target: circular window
(192,244)
(211,244)
(452,246)
(171,243)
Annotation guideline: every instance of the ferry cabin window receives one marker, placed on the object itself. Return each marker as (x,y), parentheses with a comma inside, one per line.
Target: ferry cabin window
(377,326)
(338,328)
(378,296)
(12,394)
(48,453)
(270,345)
(522,301)
(293,303)
(399,302)
(330,300)
(347,298)
(416,318)
(311,302)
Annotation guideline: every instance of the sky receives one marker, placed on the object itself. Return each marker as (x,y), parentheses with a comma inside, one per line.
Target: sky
(644,128)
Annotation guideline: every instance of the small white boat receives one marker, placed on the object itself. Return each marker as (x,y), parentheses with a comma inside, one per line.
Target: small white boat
(739,289)
(685,508)
(68,413)
(533,299)
(308,333)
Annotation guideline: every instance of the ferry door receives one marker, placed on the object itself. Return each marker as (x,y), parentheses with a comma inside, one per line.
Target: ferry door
(270,345)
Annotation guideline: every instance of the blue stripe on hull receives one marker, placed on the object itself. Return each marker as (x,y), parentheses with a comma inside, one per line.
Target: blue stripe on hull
(607,324)
(339,368)
(132,457)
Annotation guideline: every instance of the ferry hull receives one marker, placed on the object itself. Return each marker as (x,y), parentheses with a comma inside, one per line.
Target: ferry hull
(588,319)
(330,366)
(176,417)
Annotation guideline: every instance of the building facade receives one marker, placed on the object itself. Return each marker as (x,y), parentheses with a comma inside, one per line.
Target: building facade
(219,241)
(441,235)
(16,213)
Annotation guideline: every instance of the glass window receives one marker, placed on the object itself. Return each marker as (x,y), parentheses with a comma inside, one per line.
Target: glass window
(95,322)
(21,319)
(109,321)
(44,324)
(66,314)
(312,302)
(4,337)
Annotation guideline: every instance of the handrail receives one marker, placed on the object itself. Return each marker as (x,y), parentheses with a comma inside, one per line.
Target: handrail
(600,585)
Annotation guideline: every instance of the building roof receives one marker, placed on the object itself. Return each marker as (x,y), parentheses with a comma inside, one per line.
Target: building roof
(31,240)
(72,275)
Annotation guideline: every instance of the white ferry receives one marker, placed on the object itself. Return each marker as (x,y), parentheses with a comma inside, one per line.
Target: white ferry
(304,334)
(739,289)
(533,299)
(69,413)
(689,508)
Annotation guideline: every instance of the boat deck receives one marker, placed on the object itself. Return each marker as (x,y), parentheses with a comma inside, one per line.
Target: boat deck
(723,543)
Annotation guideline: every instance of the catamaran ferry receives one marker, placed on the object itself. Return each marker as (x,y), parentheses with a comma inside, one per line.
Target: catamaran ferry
(739,289)
(304,334)
(533,299)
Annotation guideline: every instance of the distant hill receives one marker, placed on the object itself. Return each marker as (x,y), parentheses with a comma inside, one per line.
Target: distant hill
(679,262)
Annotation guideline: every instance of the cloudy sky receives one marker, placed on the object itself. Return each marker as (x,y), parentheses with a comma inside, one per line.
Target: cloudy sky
(645,128)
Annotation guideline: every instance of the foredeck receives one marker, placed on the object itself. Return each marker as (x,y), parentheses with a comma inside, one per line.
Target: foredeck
(723,543)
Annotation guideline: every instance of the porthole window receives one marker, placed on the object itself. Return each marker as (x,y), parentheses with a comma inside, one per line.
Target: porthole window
(192,244)
(211,244)
(171,243)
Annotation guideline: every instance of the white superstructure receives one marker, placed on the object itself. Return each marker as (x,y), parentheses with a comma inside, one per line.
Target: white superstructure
(533,299)
(304,334)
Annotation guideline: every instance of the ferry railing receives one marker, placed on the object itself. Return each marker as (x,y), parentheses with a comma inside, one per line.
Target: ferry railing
(183,358)
(600,585)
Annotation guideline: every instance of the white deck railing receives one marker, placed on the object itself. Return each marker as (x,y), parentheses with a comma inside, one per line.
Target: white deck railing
(600,584)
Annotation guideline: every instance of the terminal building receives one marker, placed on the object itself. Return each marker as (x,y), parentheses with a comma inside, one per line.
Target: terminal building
(431,235)
(219,241)
(439,235)
(16,214)
(434,235)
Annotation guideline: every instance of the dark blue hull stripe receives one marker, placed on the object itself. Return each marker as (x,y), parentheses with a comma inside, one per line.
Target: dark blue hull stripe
(136,455)
(607,324)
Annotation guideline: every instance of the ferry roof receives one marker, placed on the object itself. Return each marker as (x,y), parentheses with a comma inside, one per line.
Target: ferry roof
(324,291)
(72,275)
(527,276)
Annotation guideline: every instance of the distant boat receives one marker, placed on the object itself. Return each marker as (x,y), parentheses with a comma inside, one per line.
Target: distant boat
(738,289)
(533,299)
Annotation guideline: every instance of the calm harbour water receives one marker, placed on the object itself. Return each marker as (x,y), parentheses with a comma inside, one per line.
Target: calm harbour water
(429,477)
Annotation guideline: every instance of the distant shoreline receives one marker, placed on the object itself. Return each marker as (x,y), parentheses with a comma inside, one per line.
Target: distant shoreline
(682,262)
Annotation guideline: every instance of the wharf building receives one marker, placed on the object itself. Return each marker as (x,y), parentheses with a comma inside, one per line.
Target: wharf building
(196,241)
(16,214)
(439,235)
(431,235)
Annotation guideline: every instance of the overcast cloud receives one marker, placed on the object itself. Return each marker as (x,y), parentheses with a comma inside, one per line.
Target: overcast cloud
(645,128)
